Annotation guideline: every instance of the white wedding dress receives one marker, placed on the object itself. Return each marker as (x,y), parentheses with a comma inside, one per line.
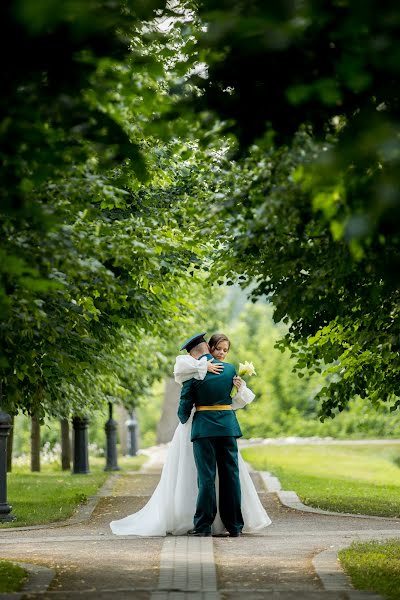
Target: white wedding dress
(171,508)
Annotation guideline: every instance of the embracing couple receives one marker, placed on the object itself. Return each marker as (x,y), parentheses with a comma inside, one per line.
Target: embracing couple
(205,487)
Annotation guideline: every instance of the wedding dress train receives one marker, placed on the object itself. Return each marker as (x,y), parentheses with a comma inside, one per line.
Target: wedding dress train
(171,508)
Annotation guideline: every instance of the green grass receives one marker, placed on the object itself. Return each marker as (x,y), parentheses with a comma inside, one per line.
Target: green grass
(374,566)
(362,479)
(12,577)
(53,495)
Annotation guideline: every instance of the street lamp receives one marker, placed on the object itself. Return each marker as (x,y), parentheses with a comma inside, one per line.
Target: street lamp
(132,426)
(111,441)
(81,450)
(5,508)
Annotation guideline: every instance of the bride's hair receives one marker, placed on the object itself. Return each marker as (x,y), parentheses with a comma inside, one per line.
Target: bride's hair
(216,338)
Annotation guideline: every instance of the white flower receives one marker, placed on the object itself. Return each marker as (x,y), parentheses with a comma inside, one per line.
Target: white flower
(246,368)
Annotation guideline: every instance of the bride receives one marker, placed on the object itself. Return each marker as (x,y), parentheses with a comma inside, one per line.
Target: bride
(171,508)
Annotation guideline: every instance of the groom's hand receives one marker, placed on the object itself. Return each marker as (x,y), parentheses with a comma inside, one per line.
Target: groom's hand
(214,367)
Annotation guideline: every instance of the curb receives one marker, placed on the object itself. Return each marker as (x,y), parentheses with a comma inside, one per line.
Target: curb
(39,579)
(329,570)
(291,500)
(82,514)
(326,563)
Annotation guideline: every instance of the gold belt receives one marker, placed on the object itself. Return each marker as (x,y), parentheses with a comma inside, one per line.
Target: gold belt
(215,407)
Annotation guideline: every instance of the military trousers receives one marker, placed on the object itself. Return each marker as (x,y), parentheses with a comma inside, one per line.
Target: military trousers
(209,453)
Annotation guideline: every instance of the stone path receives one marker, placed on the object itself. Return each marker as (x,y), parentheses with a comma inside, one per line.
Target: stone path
(293,559)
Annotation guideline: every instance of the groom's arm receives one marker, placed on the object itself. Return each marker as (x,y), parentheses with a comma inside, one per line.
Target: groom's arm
(186,401)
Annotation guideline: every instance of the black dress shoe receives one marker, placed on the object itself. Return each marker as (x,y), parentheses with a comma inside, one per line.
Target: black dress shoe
(235,534)
(194,532)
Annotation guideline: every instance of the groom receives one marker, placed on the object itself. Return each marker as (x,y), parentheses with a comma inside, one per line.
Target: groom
(214,432)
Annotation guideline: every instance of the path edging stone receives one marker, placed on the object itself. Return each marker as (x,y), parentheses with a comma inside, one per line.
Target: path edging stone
(290,499)
(326,563)
(39,579)
(333,577)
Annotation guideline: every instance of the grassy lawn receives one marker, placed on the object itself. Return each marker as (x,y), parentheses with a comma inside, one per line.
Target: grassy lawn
(12,577)
(53,495)
(374,566)
(362,479)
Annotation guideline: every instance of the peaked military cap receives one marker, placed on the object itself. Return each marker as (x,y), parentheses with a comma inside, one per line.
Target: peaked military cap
(193,341)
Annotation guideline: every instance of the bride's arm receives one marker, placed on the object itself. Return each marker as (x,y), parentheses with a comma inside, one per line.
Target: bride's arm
(243,397)
(186,367)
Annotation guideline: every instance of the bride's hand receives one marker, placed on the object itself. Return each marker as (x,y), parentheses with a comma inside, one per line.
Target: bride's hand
(214,367)
(237,382)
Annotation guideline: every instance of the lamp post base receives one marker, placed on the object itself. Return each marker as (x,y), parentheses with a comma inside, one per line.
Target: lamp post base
(5,516)
(5,426)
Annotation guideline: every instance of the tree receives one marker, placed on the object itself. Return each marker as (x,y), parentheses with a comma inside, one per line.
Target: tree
(278,390)
(310,91)
(96,247)
(285,405)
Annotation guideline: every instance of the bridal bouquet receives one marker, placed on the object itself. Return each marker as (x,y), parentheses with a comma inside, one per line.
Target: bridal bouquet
(246,368)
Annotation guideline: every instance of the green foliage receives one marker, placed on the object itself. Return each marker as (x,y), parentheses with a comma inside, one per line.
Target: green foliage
(12,577)
(119,280)
(285,404)
(309,212)
(343,313)
(374,566)
(98,247)
(361,479)
(135,174)
(279,392)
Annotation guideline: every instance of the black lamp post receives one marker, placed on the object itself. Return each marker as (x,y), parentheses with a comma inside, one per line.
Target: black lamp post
(5,508)
(81,451)
(111,441)
(132,434)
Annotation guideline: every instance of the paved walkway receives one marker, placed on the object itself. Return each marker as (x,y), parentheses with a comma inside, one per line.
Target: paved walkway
(293,559)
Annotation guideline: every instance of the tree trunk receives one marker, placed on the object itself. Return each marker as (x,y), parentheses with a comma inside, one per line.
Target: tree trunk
(169,418)
(10,442)
(35,444)
(122,417)
(65,445)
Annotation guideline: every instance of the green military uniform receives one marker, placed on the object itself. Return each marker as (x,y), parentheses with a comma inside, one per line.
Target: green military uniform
(214,434)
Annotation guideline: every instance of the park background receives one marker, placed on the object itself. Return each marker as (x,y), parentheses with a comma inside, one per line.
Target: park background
(170,169)
(285,403)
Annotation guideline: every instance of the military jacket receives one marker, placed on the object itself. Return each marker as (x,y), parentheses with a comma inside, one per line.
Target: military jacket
(214,389)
